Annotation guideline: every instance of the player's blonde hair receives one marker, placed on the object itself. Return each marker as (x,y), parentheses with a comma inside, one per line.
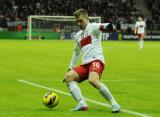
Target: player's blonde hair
(80,12)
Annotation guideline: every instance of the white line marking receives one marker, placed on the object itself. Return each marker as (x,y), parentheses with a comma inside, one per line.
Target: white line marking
(132,80)
(119,80)
(87,99)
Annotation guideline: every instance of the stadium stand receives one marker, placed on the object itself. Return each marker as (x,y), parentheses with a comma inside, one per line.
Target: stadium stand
(115,11)
(107,9)
(154,6)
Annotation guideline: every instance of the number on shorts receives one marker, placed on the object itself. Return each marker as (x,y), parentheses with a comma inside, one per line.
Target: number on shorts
(96,64)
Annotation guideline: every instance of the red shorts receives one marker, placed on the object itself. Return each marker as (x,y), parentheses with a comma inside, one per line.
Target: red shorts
(84,70)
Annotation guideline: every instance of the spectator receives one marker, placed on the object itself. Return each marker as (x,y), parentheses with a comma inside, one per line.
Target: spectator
(19,28)
(3,22)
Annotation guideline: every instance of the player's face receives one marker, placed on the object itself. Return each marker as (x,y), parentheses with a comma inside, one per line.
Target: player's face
(82,21)
(139,18)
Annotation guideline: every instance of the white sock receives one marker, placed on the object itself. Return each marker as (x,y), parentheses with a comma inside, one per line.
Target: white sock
(141,44)
(76,92)
(106,93)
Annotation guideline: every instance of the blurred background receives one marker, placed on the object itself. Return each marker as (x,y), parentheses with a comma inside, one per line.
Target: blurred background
(123,13)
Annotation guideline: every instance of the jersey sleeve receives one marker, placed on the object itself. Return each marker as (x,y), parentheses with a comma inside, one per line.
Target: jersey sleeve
(136,25)
(75,56)
(100,26)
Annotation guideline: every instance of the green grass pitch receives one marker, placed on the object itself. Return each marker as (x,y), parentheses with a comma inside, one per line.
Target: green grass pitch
(133,76)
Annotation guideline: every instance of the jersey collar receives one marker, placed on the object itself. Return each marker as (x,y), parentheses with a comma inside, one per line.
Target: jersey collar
(87,26)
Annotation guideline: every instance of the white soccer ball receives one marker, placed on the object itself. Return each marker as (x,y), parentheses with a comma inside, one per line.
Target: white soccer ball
(50,99)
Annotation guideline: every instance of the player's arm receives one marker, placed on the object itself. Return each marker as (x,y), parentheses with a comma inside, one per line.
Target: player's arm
(107,27)
(135,28)
(75,57)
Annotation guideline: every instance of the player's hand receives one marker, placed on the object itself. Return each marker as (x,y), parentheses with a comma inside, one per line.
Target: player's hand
(110,27)
(69,69)
(63,80)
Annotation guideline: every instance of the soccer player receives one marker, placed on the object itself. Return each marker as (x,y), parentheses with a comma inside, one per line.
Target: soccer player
(88,43)
(140,31)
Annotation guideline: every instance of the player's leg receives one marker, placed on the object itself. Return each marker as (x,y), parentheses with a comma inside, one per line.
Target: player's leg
(142,41)
(70,79)
(103,89)
(141,36)
(139,41)
(94,79)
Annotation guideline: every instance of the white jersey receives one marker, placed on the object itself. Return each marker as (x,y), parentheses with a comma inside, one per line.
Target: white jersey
(140,26)
(88,43)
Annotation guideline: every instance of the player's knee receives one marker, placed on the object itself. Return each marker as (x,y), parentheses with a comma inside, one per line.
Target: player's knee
(94,82)
(91,81)
(70,76)
(94,79)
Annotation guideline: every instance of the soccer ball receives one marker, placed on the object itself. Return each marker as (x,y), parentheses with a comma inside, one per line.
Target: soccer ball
(50,99)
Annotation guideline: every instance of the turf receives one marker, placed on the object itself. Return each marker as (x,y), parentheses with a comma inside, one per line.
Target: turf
(133,76)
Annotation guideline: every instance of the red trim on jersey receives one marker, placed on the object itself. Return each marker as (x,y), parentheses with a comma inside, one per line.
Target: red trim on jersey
(85,41)
(101,28)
